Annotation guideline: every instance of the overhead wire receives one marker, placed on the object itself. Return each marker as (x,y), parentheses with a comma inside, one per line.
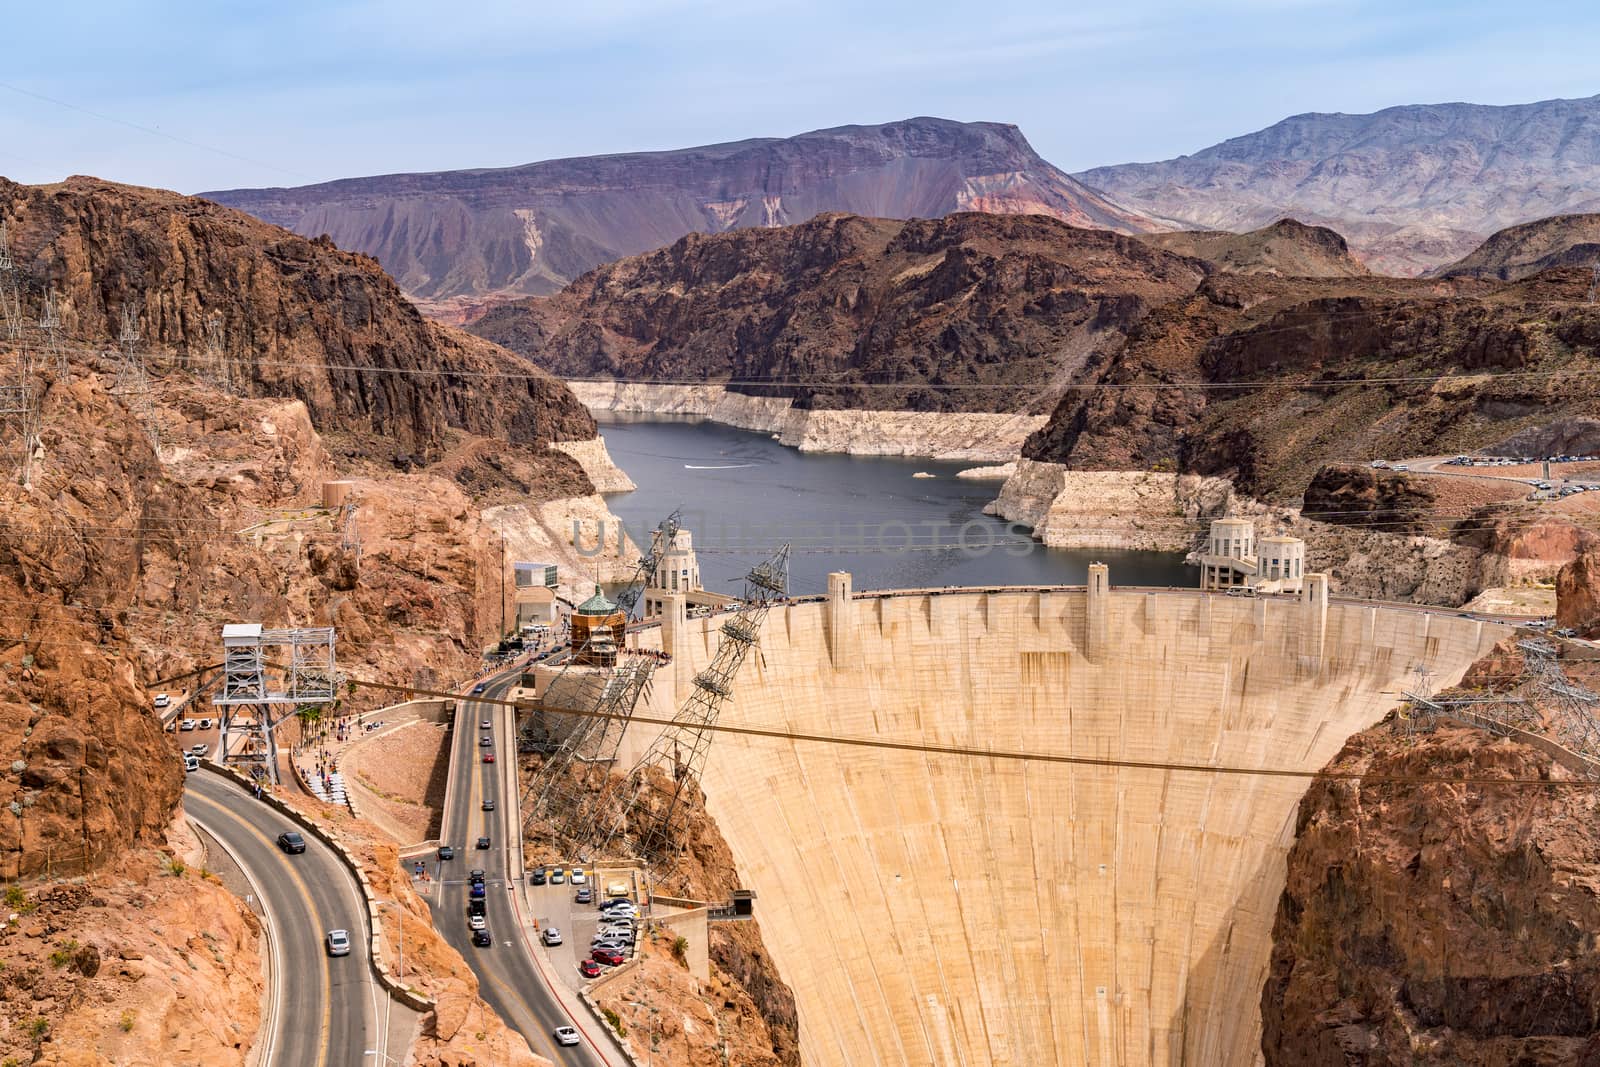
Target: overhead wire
(722,726)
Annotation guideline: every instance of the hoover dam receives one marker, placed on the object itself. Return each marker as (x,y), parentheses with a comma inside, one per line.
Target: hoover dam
(966,910)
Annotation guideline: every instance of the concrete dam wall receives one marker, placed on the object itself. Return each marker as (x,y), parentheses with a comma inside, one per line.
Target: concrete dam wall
(936,909)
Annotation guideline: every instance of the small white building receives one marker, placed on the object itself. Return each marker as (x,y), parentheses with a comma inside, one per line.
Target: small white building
(1234,560)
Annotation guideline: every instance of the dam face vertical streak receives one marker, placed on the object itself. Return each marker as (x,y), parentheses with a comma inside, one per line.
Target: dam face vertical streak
(1157,887)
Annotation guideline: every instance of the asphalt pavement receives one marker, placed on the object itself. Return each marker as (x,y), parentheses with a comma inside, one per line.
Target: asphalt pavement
(508,978)
(324,1008)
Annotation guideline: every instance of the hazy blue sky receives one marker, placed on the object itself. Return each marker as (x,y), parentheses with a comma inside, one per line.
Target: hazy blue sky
(290,92)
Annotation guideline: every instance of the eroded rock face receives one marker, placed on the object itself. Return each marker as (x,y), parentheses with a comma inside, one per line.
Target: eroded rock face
(1578,593)
(1349,495)
(1259,379)
(969,299)
(1433,924)
(302,319)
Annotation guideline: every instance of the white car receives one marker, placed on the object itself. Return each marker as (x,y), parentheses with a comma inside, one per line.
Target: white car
(551,935)
(187,725)
(338,942)
(199,750)
(577,876)
(191,763)
(476,922)
(163,701)
(565,1036)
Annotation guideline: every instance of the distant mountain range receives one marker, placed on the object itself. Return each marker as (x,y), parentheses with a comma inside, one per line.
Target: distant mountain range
(454,239)
(1412,188)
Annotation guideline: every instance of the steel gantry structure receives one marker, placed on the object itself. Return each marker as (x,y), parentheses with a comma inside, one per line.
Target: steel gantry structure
(680,751)
(252,684)
(562,785)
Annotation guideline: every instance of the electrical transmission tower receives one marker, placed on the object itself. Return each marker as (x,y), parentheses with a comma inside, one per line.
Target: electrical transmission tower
(561,786)
(50,325)
(18,400)
(1594,282)
(132,381)
(680,752)
(216,368)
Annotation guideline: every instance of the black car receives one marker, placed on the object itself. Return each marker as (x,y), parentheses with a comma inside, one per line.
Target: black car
(477,689)
(446,852)
(476,907)
(481,938)
(475,875)
(291,842)
(483,842)
(537,877)
(488,803)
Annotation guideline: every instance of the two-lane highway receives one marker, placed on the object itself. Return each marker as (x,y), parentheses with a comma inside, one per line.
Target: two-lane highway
(325,1007)
(507,976)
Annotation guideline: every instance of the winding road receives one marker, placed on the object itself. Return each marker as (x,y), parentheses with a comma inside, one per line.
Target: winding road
(323,1009)
(509,978)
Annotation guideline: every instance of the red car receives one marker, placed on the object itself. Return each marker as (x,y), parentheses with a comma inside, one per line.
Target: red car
(488,757)
(589,969)
(608,956)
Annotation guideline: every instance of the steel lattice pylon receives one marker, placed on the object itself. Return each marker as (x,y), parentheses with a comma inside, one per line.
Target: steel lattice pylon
(251,684)
(558,791)
(132,381)
(50,324)
(18,400)
(682,747)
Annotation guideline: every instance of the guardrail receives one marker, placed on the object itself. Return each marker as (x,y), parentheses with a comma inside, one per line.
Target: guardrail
(411,998)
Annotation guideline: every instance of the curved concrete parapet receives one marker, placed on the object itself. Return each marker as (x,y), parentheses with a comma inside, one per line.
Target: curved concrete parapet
(931,909)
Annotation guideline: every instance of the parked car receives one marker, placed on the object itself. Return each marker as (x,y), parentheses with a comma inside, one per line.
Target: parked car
(191,763)
(447,852)
(610,957)
(488,757)
(537,877)
(620,907)
(565,1036)
(589,969)
(557,876)
(338,942)
(187,725)
(163,701)
(483,842)
(206,724)
(199,750)
(551,935)
(577,876)
(481,938)
(291,842)
(488,803)
(585,896)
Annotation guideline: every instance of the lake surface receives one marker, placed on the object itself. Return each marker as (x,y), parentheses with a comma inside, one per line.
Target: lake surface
(743,494)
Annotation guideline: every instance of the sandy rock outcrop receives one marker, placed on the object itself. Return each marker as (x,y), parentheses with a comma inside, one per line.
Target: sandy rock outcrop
(146,964)
(1111,509)
(602,472)
(1431,924)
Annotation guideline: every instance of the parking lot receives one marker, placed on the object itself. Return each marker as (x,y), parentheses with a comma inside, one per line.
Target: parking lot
(556,905)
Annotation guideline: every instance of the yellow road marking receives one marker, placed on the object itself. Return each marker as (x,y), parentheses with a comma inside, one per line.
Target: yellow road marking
(311,908)
(517,998)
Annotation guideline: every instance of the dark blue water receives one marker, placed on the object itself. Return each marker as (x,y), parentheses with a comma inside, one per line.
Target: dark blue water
(742,494)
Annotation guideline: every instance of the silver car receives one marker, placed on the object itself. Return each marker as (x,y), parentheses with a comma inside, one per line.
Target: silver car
(338,942)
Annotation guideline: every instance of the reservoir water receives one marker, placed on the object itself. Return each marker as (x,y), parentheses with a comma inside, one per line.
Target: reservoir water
(742,494)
